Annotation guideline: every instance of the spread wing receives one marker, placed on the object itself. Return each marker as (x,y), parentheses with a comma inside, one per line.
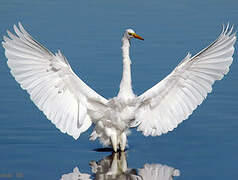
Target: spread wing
(174,98)
(53,86)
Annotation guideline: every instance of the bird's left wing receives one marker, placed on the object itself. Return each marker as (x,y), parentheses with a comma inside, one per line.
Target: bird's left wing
(173,99)
(53,86)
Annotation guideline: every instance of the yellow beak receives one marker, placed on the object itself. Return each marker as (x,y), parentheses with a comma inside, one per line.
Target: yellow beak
(137,36)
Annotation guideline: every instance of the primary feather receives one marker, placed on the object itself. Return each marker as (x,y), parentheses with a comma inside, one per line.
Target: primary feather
(73,106)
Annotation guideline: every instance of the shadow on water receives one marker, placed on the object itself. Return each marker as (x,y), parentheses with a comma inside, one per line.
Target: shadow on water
(115,167)
(103,149)
(107,149)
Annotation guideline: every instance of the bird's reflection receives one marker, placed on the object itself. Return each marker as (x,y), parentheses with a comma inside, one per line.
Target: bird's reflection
(114,167)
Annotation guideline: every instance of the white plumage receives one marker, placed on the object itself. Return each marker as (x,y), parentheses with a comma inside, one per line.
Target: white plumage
(73,106)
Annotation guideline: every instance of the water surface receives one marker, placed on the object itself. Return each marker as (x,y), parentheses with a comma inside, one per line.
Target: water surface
(89,33)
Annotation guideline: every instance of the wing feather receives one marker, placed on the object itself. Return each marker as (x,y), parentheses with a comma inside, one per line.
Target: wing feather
(173,99)
(53,86)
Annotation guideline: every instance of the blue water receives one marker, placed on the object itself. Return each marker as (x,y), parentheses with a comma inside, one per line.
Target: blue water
(88,33)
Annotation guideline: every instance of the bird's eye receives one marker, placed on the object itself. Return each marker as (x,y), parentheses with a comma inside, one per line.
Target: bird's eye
(130,33)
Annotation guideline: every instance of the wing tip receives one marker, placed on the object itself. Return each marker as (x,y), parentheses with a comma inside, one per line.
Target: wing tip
(228,29)
(15,28)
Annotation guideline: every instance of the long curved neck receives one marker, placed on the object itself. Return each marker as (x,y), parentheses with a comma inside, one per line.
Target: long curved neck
(125,85)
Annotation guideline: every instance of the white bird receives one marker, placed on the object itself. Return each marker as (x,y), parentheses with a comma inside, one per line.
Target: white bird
(73,106)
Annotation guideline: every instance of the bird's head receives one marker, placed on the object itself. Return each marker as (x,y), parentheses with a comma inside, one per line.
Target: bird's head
(130,33)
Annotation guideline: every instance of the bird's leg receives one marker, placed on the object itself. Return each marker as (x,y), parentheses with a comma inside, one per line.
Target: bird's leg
(123,140)
(114,142)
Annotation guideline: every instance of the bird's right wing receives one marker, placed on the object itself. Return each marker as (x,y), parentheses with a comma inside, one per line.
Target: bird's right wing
(53,86)
(173,99)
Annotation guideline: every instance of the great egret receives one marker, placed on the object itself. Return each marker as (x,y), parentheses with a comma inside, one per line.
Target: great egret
(73,106)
